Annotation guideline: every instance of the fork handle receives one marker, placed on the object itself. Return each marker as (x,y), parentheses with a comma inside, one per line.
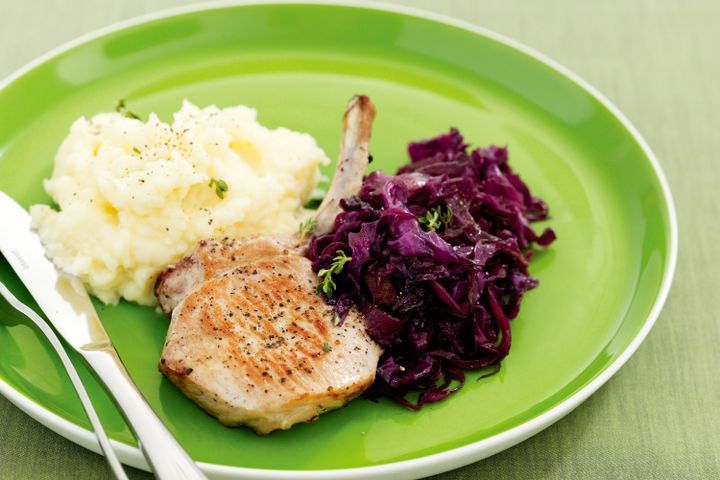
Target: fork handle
(166,457)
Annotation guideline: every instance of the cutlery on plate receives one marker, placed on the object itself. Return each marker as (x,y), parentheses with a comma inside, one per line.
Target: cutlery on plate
(67,306)
(107,449)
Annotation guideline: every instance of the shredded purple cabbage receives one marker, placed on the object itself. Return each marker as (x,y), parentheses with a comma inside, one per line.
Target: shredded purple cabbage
(438,302)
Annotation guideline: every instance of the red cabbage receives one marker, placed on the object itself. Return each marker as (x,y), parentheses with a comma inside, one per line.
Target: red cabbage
(438,302)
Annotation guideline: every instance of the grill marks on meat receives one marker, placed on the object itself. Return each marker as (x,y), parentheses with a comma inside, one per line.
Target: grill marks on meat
(211,257)
(254,346)
(250,339)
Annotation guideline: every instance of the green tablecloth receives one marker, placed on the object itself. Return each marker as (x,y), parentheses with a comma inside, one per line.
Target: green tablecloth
(658,61)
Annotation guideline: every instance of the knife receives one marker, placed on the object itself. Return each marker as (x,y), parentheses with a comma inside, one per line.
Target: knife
(67,305)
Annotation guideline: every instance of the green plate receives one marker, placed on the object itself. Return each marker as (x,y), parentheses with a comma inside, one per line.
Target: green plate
(602,283)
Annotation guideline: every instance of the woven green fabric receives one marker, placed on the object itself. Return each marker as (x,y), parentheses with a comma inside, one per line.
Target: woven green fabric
(657,60)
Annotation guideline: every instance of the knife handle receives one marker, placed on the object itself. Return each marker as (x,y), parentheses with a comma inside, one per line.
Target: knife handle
(166,457)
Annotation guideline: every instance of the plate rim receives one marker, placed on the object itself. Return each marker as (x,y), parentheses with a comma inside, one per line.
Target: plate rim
(416,467)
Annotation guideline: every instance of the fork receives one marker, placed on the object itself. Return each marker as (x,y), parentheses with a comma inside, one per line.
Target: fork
(102,437)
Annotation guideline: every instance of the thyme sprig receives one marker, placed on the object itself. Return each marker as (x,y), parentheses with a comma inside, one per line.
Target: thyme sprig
(307,228)
(327,283)
(436,217)
(122,109)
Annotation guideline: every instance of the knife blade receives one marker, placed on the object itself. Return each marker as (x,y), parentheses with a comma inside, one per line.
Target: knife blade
(63,298)
(67,305)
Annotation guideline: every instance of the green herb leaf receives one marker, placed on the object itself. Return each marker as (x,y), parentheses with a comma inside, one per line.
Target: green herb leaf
(446,217)
(136,150)
(313,203)
(326,347)
(121,109)
(436,217)
(327,284)
(336,320)
(307,228)
(220,187)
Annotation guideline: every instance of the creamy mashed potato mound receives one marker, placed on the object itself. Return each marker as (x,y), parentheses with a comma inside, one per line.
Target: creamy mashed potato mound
(135,196)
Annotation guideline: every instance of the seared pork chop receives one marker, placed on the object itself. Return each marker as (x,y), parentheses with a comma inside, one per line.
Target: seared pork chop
(250,340)
(256,346)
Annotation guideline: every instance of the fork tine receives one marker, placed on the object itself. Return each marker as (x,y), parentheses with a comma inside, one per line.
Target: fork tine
(104,441)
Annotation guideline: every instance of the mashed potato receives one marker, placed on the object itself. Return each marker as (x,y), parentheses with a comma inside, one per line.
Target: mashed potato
(135,196)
